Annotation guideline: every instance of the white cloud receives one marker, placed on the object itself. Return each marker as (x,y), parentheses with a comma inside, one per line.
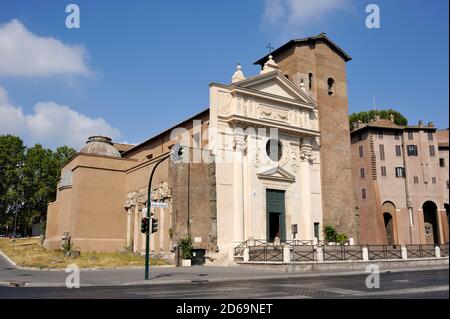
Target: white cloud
(51,124)
(23,53)
(12,119)
(293,18)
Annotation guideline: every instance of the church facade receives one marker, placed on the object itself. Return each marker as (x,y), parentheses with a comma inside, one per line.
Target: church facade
(270,151)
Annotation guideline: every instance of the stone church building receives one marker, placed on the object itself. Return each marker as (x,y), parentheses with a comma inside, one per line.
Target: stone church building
(270,151)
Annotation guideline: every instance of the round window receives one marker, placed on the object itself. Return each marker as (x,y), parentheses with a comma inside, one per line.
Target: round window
(274,150)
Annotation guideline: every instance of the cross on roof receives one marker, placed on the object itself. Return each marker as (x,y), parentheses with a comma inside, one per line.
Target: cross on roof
(270,47)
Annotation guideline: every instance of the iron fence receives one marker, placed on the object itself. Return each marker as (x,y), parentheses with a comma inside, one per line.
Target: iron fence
(266,253)
(420,251)
(302,253)
(342,252)
(444,250)
(384,252)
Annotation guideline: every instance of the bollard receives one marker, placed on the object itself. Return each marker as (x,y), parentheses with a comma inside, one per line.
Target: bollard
(365,253)
(404,253)
(319,254)
(286,254)
(437,251)
(246,254)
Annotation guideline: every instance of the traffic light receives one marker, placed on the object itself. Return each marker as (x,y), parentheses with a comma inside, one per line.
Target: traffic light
(145,225)
(154,225)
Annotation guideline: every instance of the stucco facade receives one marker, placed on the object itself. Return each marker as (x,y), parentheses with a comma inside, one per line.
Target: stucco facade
(271,151)
(401,188)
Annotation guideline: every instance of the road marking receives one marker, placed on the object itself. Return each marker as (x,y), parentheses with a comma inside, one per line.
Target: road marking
(341,291)
(149,293)
(405,291)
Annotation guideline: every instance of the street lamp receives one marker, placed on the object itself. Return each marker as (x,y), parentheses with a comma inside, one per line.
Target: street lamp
(175,155)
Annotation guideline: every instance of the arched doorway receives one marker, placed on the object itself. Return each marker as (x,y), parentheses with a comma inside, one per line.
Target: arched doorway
(430,220)
(388,225)
(389,222)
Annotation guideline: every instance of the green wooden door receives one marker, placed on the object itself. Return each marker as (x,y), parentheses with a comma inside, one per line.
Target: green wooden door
(275,207)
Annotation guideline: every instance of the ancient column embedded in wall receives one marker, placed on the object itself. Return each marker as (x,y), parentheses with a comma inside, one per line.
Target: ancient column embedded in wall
(137,231)
(305,187)
(238,181)
(128,210)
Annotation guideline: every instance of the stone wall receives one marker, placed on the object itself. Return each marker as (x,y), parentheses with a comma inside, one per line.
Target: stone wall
(194,198)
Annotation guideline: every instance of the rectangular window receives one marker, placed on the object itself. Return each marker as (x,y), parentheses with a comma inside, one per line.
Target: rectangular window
(363,193)
(361,173)
(430,136)
(410,135)
(442,162)
(316,230)
(397,135)
(399,172)
(432,152)
(398,150)
(416,179)
(361,151)
(380,134)
(433,180)
(412,150)
(382,152)
(383,170)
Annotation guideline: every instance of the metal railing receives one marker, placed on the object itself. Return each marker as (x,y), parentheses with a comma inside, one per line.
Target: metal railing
(266,253)
(384,252)
(302,253)
(444,250)
(342,252)
(420,251)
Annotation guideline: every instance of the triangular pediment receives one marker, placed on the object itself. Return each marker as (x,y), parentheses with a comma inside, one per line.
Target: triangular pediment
(274,83)
(276,173)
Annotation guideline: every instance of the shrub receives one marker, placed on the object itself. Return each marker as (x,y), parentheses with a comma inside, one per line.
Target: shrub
(341,238)
(330,233)
(186,247)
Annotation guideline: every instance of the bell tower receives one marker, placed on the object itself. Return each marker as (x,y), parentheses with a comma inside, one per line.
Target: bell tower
(320,65)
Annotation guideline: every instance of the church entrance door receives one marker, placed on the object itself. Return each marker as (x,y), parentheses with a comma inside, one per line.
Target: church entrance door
(275,206)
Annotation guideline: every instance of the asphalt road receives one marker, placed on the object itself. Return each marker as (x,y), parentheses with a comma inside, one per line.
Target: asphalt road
(414,284)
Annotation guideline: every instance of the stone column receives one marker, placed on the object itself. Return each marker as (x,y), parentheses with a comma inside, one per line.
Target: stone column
(129,226)
(305,186)
(238,181)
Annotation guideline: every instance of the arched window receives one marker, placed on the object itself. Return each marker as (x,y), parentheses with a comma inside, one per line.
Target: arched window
(330,86)
(310,76)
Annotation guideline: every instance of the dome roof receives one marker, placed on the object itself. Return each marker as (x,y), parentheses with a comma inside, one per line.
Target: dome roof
(100,145)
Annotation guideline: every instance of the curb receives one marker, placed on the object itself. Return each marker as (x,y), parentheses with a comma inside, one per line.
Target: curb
(9,260)
(215,280)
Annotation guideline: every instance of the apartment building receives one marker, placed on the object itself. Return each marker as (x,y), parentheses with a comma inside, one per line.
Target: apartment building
(400,178)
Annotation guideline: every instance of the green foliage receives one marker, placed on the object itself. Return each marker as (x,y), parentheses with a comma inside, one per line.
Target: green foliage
(28,181)
(366,116)
(341,238)
(330,233)
(186,247)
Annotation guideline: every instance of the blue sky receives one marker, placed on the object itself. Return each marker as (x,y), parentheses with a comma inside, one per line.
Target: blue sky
(137,67)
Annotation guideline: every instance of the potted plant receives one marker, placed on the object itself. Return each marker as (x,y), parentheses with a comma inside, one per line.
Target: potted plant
(186,251)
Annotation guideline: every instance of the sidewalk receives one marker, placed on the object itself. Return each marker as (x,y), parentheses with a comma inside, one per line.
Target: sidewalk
(11,276)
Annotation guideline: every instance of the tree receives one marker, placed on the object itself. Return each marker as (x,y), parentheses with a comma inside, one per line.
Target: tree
(366,116)
(28,181)
(12,155)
